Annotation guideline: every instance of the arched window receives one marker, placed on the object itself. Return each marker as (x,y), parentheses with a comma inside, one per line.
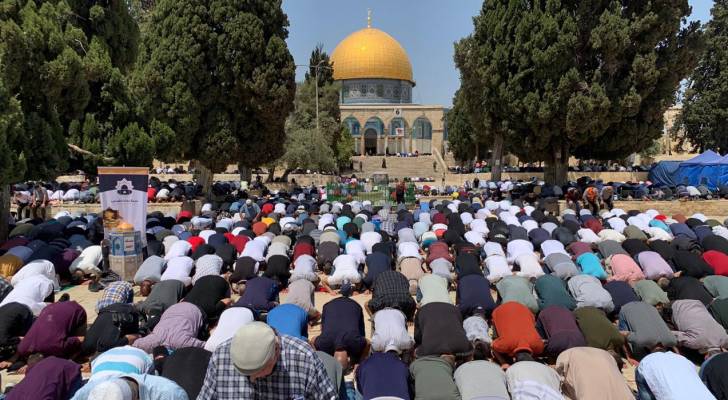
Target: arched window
(376,124)
(397,123)
(353,125)
(422,129)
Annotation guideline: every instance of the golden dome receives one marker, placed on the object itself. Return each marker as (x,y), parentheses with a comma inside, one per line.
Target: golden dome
(371,53)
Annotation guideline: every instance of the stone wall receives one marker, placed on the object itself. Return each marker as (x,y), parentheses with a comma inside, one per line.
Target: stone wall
(165,208)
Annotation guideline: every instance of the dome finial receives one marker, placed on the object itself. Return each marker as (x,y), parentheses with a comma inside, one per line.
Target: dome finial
(369,17)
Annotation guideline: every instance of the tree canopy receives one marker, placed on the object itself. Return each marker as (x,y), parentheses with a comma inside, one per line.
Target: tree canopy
(461,136)
(325,150)
(12,136)
(338,145)
(704,117)
(586,78)
(319,57)
(219,75)
(42,68)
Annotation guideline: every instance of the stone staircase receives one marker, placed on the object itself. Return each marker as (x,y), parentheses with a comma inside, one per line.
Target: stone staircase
(450,159)
(397,167)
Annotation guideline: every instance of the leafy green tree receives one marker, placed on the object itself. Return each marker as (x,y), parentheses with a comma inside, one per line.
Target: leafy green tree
(12,161)
(319,58)
(109,22)
(308,149)
(344,148)
(340,144)
(470,99)
(338,141)
(110,109)
(219,75)
(585,78)
(465,141)
(132,146)
(42,68)
(704,116)
(140,10)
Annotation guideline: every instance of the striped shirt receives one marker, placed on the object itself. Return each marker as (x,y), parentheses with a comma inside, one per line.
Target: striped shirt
(121,360)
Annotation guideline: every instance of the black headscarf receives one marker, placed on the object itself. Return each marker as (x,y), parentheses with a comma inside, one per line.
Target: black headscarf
(715,242)
(634,246)
(202,250)
(691,264)
(715,375)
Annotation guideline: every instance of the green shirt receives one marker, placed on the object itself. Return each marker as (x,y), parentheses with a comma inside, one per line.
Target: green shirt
(719,310)
(433,378)
(650,292)
(552,291)
(518,289)
(633,232)
(598,331)
(717,285)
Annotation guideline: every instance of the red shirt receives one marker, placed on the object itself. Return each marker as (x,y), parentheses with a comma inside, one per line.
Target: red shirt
(184,214)
(195,241)
(438,250)
(267,208)
(238,242)
(594,225)
(303,248)
(439,218)
(718,261)
(151,193)
(516,329)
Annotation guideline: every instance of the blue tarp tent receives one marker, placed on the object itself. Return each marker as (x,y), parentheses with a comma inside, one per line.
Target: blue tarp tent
(664,172)
(708,169)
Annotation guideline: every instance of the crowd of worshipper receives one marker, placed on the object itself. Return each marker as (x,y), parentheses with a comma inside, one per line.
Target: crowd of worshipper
(227,300)
(606,192)
(482,166)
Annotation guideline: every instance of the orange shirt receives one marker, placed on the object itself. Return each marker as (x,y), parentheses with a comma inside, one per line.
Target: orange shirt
(516,327)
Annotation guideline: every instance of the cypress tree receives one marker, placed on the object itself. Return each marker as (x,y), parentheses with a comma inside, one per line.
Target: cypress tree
(704,116)
(591,79)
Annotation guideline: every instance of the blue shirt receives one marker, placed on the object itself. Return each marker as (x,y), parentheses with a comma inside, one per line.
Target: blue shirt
(590,265)
(121,360)
(383,374)
(289,319)
(672,376)
(150,388)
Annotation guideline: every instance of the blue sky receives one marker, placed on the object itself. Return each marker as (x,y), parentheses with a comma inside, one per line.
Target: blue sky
(426,29)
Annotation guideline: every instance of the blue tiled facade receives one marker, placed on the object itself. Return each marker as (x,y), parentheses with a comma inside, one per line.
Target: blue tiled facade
(376,91)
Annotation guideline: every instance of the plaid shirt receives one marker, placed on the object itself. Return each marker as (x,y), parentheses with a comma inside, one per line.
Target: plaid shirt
(391,289)
(298,374)
(116,292)
(388,224)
